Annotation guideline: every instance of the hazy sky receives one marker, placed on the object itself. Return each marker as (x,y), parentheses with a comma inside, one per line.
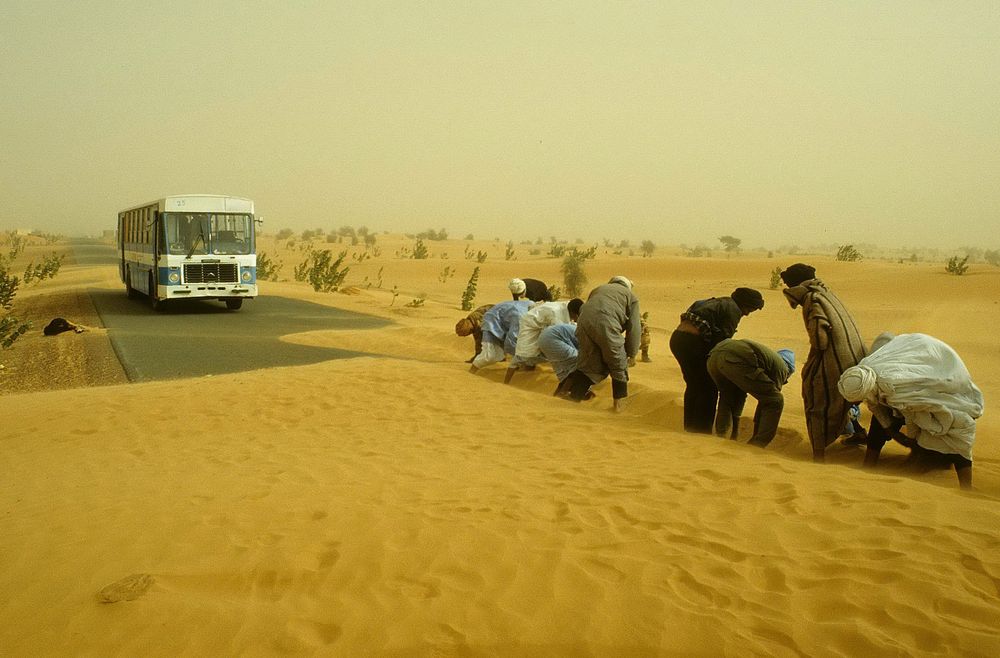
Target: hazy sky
(792,122)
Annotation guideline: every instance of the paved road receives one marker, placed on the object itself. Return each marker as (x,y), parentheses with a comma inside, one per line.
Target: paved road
(193,338)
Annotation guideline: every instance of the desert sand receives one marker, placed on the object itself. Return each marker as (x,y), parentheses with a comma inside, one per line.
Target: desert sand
(398,505)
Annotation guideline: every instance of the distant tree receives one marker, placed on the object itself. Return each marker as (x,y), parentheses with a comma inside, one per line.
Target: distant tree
(730,244)
(992,257)
(647,247)
(285,233)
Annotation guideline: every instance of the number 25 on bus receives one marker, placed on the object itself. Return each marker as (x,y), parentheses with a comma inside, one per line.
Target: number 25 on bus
(183,247)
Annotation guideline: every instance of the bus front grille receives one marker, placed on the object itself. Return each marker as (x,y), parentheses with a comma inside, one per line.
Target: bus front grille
(210,273)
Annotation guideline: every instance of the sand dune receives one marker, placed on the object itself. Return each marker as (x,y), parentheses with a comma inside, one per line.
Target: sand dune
(398,505)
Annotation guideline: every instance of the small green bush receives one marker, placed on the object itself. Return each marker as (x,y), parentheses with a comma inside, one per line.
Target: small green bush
(469,296)
(956,266)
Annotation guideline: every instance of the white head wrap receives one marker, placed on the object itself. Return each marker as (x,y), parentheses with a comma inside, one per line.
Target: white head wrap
(857,383)
(622,280)
(517,286)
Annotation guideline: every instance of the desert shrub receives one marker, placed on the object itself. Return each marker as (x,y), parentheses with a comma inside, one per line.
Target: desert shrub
(420,251)
(647,247)
(557,250)
(583,255)
(697,252)
(848,253)
(480,256)
(418,301)
(469,296)
(447,273)
(285,233)
(322,271)
(775,278)
(956,266)
(47,269)
(431,234)
(573,273)
(509,253)
(555,292)
(267,267)
(13,327)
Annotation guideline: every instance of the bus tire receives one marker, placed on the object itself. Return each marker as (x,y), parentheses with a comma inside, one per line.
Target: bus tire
(234,304)
(157,304)
(129,290)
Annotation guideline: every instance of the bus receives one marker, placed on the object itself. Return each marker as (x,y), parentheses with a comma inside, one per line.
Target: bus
(189,246)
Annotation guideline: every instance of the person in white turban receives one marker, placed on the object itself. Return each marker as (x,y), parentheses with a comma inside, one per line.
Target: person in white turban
(919,382)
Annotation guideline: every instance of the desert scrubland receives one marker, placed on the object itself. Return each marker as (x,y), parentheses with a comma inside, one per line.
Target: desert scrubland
(396,504)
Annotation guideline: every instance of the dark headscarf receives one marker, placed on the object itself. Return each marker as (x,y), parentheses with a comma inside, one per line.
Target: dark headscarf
(748,298)
(798,273)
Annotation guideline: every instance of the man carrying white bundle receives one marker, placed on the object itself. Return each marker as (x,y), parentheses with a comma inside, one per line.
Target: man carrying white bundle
(919,382)
(536,318)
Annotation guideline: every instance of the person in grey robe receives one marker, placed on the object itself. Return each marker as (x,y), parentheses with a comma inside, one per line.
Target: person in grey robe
(608,330)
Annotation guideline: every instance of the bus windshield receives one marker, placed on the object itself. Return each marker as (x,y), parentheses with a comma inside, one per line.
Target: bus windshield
(208,233)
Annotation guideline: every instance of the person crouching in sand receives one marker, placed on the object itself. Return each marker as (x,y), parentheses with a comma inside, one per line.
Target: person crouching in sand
(741,367)
(500,326)
(610,311)
(919,382)
(472,325)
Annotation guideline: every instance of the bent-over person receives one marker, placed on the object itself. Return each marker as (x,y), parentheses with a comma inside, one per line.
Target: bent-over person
(472,325)
(920,382)
(704,325)
(500,326)
(608,332)
(543,314)
(744,367)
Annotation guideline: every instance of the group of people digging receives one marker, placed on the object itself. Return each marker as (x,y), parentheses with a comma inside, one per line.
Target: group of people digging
(916,387)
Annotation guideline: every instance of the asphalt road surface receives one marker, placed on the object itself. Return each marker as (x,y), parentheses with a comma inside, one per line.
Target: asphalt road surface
(193,338)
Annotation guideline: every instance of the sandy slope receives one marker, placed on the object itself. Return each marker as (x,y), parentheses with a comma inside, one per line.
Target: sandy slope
(401,506)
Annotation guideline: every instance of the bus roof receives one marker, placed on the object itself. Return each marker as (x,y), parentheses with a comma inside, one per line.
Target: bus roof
(199,203)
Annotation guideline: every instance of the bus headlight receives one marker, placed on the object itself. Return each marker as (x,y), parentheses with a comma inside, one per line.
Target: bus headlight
(174,277)
(247,276)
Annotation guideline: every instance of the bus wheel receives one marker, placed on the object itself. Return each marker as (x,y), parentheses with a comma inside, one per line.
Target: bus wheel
(129,290)
(234,304)
(157,304)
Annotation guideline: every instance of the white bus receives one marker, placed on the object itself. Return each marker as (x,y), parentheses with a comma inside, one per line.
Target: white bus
(183,247)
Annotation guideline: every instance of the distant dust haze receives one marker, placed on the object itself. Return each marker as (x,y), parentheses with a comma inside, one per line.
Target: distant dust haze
(793,122)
